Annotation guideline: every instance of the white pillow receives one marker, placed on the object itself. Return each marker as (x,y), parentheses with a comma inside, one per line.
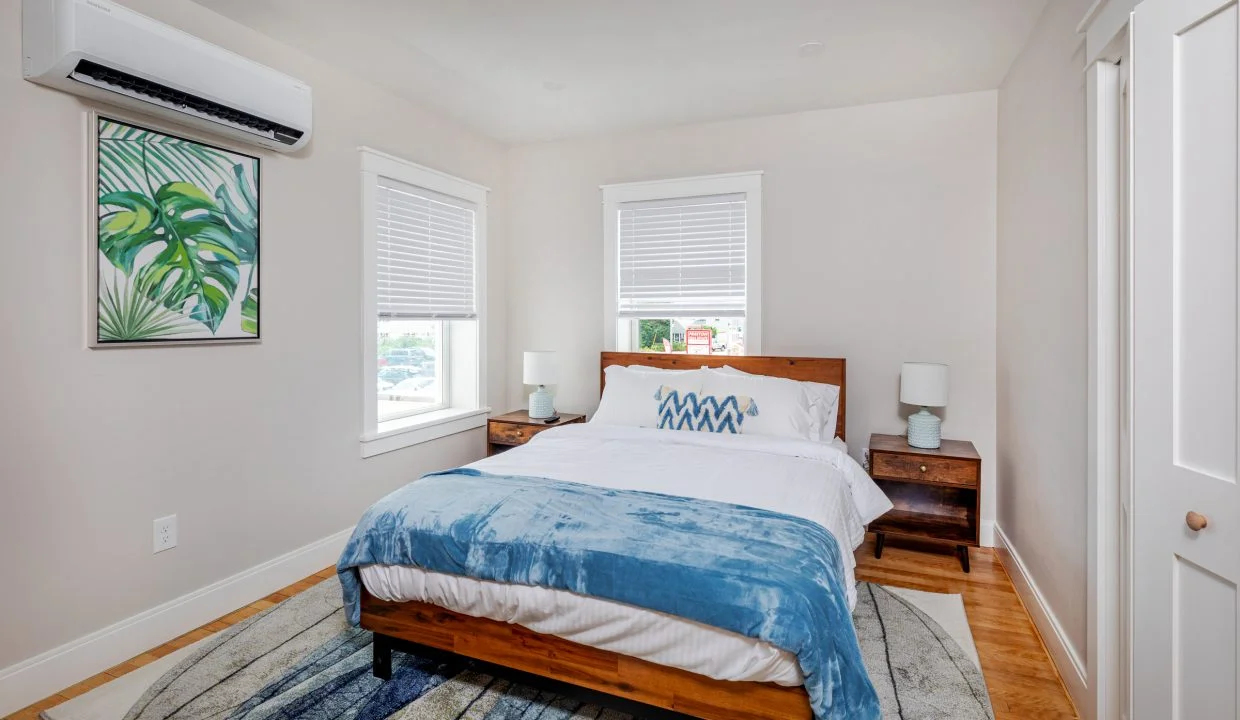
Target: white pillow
(824,402)
(825,405)
(783,405)
(629,395)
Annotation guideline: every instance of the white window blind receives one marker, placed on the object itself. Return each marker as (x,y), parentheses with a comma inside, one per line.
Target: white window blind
(682,257)
(425,253)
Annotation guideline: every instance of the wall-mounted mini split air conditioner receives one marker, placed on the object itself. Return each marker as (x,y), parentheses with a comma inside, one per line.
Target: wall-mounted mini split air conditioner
(104,51)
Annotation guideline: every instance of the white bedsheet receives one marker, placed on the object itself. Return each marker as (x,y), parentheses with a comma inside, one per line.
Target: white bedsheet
(812,480)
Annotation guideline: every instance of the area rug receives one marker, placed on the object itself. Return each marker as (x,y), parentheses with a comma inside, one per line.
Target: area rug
(301,661)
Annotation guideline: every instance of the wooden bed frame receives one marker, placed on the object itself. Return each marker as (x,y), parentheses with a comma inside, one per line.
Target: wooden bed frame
(822,370)
(598,676)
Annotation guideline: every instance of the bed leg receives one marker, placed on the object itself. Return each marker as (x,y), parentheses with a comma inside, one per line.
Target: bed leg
(382,663)
(963,552)
(879,540)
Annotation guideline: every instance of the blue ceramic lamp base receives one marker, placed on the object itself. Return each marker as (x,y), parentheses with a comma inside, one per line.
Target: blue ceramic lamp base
(541,407)
(923,430)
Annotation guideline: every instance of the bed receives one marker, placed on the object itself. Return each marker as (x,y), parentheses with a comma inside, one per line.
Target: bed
(626,655)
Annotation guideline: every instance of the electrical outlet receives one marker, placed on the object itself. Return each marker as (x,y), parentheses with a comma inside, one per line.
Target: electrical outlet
(165,533)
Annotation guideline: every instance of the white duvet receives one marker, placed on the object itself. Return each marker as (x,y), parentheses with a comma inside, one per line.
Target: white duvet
(812,480)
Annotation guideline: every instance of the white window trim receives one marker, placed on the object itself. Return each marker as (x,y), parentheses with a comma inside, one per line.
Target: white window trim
(749,183)
(423,427)
(467,407)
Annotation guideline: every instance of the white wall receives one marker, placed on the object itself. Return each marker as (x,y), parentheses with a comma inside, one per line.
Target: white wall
(255,448)
(1042,342)
(878,246)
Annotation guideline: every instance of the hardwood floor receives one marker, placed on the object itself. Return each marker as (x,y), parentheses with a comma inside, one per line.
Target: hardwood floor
(1022,680)
(150,656)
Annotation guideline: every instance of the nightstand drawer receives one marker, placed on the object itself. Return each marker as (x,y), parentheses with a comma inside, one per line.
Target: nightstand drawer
(511,433)
(516,428)
(941,471)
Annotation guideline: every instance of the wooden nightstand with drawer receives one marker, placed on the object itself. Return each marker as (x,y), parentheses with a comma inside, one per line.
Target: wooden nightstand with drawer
(516,428)
(936,493)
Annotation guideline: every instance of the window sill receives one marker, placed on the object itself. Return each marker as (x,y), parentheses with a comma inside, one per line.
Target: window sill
(406,432)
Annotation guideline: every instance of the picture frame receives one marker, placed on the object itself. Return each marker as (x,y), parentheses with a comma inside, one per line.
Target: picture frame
(173,237)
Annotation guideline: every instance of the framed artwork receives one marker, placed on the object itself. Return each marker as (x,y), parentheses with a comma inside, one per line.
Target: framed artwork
(174,252)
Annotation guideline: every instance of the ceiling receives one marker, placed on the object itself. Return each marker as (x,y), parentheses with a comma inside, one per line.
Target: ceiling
(532,70)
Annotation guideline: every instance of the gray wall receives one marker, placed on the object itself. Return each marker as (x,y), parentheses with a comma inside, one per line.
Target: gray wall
(1042,341)
(878,246)
(255,448)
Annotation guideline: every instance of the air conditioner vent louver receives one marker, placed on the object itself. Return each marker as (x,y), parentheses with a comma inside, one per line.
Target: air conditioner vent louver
(135,87)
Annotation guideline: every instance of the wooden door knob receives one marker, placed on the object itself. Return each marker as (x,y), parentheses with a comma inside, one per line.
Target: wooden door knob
(1196,521)
(923,468)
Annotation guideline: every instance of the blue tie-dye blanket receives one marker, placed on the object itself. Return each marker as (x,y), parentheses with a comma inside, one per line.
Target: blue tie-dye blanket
(754,572)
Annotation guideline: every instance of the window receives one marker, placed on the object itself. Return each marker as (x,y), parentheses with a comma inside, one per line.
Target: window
(683,265)
(424,238)
(411,372)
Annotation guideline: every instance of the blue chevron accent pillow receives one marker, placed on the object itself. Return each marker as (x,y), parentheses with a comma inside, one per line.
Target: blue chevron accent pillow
(703,413)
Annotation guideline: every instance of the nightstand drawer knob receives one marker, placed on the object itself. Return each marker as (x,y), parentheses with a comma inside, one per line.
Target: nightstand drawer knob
(923,468)
(1196,521)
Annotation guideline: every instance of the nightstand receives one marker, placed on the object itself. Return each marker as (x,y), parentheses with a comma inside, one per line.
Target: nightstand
(936,493)
(516,428)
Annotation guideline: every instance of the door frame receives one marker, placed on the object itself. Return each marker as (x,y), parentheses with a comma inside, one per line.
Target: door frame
(1109,480)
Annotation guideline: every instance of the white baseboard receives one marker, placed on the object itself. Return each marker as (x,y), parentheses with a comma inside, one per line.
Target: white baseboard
(988,533)
(42,675)
(1065,656)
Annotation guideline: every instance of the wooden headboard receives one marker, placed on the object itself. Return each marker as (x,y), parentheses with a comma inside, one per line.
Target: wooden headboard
(824,370)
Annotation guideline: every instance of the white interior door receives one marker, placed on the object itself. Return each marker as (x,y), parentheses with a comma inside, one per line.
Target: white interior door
(1185,361)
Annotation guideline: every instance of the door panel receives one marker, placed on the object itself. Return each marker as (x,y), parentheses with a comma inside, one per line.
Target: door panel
(1184,363)
(1205,248)
(1205,609)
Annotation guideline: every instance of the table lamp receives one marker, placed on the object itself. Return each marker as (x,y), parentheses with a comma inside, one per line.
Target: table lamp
(541,370)
(924,384)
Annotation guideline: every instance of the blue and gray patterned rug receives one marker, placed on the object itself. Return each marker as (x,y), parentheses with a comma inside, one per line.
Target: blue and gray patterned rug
(300,661)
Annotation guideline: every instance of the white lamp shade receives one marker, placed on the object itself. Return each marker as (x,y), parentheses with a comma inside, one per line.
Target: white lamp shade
(923,384)
(541,368)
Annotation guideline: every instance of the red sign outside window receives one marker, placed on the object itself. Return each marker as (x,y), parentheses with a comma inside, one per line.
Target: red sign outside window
(697,340)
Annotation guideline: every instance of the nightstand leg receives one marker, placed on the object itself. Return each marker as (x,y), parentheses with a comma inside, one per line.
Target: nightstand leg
(963,552)
(879,539)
